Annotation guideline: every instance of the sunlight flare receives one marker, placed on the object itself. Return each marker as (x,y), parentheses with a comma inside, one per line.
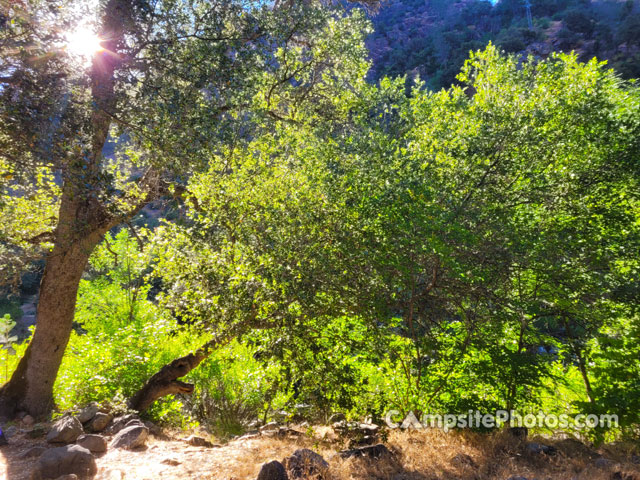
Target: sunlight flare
(83,42)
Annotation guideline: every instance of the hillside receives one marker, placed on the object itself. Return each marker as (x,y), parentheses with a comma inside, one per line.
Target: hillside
(432,38)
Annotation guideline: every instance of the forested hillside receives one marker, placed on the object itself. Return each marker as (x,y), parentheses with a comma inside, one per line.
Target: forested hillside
(432,38)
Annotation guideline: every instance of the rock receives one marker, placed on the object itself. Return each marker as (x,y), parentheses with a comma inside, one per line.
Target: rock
(67,460)
(131,437)
(538,448)
(120,422)
(28,421)
(372,451)
(38,430)
(153,428)
(88,412)
(170,461)
(10,431)
(305,463)
(337,417)
(602,462)
(518,432)
(93,443)
(463,460)
(65,430)
(269,426)
(198,441)
(99,421)
(34,452)
(273,471)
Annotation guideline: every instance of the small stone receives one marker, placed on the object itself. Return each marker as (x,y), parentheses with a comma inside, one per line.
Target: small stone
(269,426)
(337,417)
(372,451)
(171,461)
(65,430)
(88,412)
(93,443)
(602,462)
(10,431)
(539,448)
(273,471)
(305,463)
(28,421)
(38,430)
(196,441)
(34,452)
(70,459)
(131,437)
(463,460)
(99,421)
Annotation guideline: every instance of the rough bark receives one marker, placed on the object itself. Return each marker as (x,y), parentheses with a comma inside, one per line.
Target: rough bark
(166,382)
(82,222)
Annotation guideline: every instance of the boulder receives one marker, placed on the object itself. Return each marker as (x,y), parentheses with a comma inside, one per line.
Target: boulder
(371,451)
(305,463)
(273,471)
(88,412)
(120,422)
(131,437)
(67,460)
(34,452)
(65,430)
(99,421)
(93,443)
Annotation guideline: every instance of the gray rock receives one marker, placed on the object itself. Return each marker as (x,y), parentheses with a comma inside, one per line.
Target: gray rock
(93,443)
(99,421)
(602,462)
(269,426)
(198,441)
(131,437)
(305,463)
(67,460)
(10,431)
(538,448)
(371,451)
(65,430)
(120,422)
(273,471)
(38,430)
(34,452)
(88,412)
(337,417)
(28,421)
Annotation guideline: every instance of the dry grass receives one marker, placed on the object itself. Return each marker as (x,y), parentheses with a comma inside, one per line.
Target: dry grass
(417,455)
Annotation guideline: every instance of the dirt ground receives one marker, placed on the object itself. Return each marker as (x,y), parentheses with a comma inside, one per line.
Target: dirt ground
(417,455)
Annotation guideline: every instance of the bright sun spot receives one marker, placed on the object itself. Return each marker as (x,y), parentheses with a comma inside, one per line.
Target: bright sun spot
(83,42)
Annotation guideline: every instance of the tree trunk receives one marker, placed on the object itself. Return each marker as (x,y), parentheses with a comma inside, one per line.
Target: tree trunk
(82,222)
(31,386)
(166,382)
